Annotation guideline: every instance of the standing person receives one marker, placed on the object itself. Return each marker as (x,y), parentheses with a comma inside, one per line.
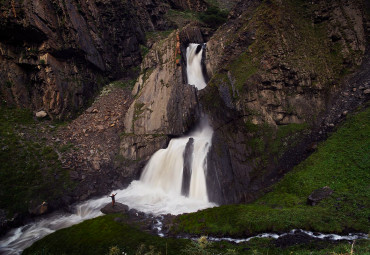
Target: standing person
(113,199)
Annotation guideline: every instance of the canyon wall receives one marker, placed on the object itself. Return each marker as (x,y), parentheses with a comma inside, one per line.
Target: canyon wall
(275,67)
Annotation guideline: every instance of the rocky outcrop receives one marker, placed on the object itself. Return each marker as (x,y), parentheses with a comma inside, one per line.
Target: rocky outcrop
(163,105)
(275,68)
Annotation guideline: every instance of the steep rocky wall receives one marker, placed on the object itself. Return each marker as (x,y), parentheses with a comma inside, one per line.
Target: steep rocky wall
(55,55)
(275,67)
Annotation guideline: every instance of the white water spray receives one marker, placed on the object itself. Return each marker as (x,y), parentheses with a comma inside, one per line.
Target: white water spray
(193,68)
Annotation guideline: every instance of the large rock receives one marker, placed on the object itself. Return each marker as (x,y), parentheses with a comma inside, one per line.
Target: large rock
(319,194)
(117,208)
(164,104)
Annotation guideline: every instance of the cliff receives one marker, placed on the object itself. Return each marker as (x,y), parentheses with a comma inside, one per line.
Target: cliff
(55,55)
(277,69)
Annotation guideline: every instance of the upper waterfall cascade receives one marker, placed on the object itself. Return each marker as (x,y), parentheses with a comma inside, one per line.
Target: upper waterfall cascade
(195,76)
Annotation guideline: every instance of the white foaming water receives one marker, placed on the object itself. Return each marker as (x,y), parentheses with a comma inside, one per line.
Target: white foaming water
(165,168)
(333,237)
(16,240)
(194,68)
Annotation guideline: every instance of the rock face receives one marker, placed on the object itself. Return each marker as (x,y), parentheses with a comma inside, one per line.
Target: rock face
(55,55)
(164,105)
(274,73)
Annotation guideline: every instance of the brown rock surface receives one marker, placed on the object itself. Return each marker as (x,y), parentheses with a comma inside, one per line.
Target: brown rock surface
(55,55)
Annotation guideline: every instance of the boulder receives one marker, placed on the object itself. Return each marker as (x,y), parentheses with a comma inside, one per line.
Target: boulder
(41,114)
(117,208)
(318,195)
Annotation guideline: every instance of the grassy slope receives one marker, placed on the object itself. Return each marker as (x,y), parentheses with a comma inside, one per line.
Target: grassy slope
(342,163)
(29,169)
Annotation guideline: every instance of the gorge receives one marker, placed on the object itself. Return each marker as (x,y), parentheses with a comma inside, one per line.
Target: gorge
(180,106)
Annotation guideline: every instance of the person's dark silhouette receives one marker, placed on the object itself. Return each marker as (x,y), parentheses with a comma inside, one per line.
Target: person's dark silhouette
(113,199)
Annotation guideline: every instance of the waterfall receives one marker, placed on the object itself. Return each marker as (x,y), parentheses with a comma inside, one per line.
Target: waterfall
(169,173)
(195,76)
(165,168)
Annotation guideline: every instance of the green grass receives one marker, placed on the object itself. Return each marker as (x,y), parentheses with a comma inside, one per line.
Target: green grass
(98,235)
(30,171)
(342,163)
(156,36)
(181,18)
(124,84)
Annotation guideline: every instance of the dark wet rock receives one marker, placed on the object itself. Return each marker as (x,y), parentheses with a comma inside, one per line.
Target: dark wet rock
(186,174)
(293,239)
(133,213)
(117,208)
(318,195)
